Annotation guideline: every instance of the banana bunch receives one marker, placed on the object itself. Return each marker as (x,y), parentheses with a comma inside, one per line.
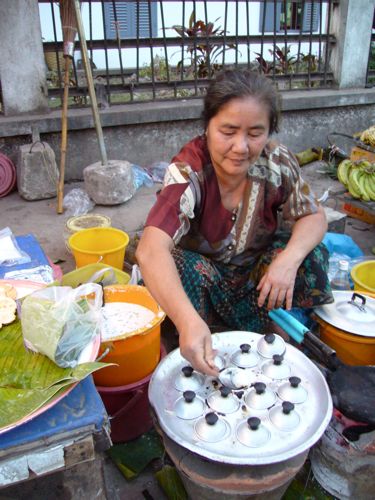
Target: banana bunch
(359,178)
(368,136)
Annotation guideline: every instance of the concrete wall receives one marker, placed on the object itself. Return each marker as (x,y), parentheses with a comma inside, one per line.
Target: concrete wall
(152,132)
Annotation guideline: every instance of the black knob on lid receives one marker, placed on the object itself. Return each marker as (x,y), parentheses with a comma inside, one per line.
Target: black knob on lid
(189,396)
(277,359)
(294,381)
(245,348)
(269,338)
(225,391)
(253,423)
(259,387)
(287,407)
(187,371)
(211,418)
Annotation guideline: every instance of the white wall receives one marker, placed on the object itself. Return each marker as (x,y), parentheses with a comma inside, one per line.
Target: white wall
(172,15)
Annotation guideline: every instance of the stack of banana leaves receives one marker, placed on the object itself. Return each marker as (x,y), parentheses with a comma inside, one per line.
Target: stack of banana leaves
(359,178)
(29,381)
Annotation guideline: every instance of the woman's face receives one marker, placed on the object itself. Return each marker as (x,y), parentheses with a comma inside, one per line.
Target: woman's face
(236,135)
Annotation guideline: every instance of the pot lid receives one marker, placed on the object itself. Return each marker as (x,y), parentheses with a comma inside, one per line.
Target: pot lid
(163,396)
(271,344)
(188,379)
(292,391)
(223,400)
(245,357)
(352,312)
(189,406)
(284,416)
(238,377)
(260,397)
(276,368)
(211,428)
(252,433)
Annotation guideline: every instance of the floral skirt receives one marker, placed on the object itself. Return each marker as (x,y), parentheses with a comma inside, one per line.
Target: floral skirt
(225,295)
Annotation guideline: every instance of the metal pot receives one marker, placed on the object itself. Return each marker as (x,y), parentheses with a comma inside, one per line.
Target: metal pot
(237,447)
(347,325)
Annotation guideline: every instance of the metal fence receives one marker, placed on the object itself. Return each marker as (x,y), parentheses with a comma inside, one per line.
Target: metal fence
(153,50)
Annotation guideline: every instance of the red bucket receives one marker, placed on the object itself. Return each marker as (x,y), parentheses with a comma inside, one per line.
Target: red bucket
(128,408)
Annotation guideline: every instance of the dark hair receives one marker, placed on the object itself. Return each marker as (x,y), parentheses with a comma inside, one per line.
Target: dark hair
(232,84)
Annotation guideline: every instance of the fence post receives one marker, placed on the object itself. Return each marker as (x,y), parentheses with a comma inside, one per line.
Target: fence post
(22,65)
(351,23)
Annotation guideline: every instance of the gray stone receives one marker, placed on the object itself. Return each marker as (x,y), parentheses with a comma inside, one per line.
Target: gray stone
(110,184)
(37,172)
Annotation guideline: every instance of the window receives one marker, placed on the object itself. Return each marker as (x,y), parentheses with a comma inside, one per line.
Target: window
(127,14)
(291,15)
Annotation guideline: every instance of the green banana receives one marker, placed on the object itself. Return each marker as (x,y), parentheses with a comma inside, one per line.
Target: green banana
(363,185)
(343,171)
(353,185)
(370,178)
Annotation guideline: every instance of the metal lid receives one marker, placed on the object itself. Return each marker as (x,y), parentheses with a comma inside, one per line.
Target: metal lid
(292,391)
(237,378)
(352,312)
(188,379)
(252,433)
(271,344)
(276,368)
(245,357)
(284,416)
(260,397)
(211,428)
(189,406)
(223,400)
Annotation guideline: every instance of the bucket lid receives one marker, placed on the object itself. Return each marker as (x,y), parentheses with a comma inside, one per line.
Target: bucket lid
(351,312)
(86,221)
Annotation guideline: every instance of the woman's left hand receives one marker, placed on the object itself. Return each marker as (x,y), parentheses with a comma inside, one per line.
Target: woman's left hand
(277,284)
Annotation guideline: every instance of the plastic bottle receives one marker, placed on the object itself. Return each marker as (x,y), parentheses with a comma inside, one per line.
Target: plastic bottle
(340,281)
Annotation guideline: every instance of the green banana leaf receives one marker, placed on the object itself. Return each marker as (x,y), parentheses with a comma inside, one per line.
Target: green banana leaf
(29,380)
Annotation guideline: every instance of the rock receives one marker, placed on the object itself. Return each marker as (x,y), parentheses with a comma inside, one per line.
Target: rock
(110,184)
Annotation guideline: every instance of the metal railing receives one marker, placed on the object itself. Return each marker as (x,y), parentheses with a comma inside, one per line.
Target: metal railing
(288,40)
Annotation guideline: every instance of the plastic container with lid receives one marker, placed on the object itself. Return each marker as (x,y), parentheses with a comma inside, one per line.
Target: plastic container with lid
(79,222)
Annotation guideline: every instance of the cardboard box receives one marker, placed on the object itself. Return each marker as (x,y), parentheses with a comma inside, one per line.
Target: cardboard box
(362,154)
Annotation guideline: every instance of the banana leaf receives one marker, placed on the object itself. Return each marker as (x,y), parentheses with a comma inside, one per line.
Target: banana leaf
(29,380)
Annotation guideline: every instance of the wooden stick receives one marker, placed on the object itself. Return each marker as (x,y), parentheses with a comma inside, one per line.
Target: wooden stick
(64,138)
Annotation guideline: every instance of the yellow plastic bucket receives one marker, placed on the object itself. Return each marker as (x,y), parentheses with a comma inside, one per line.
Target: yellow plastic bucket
(104,245)
(363,276)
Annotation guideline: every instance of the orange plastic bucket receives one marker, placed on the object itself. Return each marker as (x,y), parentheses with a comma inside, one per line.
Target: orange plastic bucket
(350,348)
(104,245)
(138,354)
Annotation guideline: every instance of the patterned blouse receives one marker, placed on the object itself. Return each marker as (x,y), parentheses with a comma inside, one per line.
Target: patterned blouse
(189,207)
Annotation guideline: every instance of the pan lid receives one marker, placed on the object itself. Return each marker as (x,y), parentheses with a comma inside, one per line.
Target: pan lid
(211,428)
(260,397)
(188,379)
(271,344)
(284,416)
(223,400)
(277,368)
(292,391)
(189,406)
(245,357)
(351,312)
(253,433)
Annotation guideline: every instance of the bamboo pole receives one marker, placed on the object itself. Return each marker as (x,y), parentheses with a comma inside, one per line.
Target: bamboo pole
(90,83)
(64,138)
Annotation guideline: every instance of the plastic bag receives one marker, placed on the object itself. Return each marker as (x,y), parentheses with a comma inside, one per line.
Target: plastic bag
(60,322)
(10,252)
(77,202)
(141,177)
(157,170)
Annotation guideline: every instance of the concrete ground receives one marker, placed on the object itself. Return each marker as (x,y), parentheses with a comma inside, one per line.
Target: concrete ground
(41,219)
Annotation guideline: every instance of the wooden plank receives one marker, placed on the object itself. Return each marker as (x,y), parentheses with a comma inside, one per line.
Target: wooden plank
(80,451)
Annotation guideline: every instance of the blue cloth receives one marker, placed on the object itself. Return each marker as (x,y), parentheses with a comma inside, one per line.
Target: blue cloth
(82,407)
(342,244)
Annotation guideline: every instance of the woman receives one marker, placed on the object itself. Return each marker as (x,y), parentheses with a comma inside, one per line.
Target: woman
(210,249)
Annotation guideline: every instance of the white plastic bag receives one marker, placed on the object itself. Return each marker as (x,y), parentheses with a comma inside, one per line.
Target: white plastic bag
(60,321)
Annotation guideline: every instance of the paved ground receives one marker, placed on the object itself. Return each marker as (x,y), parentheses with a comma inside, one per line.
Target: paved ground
(40,218)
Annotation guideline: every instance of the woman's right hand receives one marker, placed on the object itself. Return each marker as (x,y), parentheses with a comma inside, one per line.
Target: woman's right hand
(196,347)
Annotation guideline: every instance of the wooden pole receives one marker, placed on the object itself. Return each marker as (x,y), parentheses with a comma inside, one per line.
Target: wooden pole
(64,138)
(90,83)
